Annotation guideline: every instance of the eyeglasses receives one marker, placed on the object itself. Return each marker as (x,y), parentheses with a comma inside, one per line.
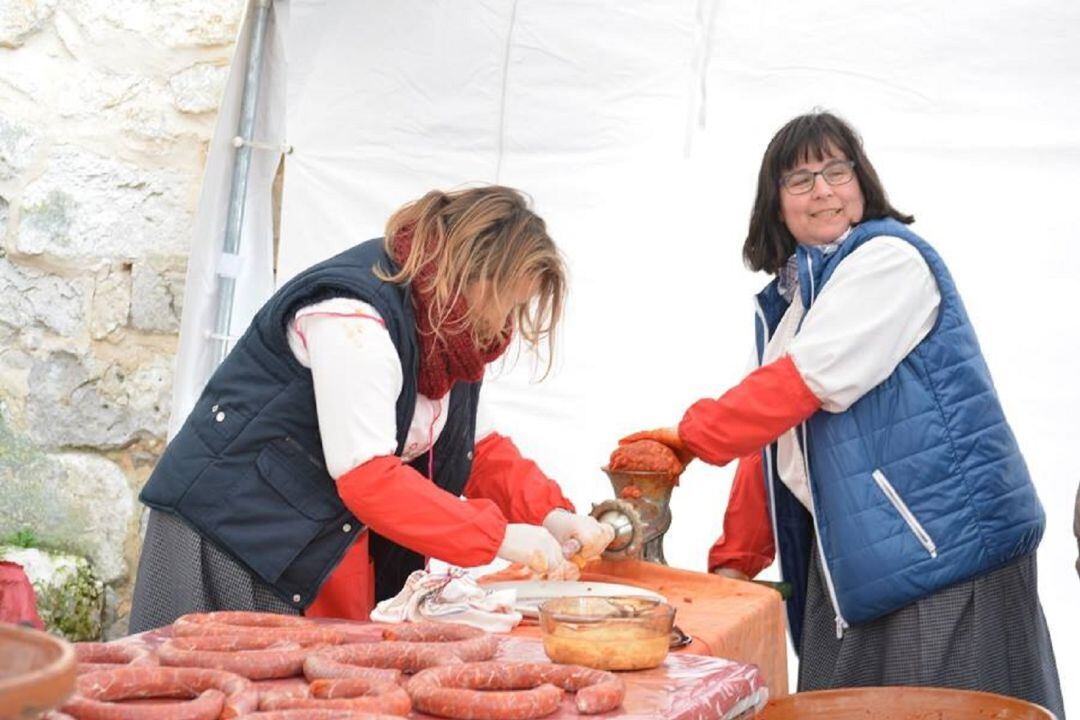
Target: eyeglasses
(802,181)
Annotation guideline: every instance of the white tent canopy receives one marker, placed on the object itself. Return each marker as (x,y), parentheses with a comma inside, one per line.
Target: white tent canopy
(637,128)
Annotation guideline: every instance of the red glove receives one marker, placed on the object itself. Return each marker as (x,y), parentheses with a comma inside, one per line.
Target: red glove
(746,544)
(772,399)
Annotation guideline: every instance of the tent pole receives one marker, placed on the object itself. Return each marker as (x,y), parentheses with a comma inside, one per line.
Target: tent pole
(228,264)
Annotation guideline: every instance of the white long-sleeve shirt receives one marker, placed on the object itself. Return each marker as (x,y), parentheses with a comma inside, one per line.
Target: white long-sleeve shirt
(879,304)
(358,377)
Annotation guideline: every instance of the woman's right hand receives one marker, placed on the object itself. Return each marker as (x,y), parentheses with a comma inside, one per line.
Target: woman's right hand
(533,546)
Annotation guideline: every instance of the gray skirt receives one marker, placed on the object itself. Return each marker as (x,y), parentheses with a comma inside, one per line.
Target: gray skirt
(182,572)
(985,634)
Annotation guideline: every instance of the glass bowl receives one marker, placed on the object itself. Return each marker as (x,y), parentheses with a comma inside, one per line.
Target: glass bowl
(607,633)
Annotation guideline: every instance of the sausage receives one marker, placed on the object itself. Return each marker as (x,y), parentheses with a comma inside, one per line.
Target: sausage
(97,694)
(468,643)
(297,687)
(207,705)
(347,694)
(531,690)
(595,691)
(314,714)
(438,692)
(431,632)
(95,656)
(321,664)
(407,648)
(357,659)
(253,657)
(256,624)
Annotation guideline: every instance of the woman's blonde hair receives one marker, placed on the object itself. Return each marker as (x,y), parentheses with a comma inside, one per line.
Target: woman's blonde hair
(486,234)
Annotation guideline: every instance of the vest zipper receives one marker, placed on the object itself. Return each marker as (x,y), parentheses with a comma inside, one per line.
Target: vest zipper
(767,465)
(841,623)
(905,512)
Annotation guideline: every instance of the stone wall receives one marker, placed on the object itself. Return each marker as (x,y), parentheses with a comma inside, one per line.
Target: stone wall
(106,109)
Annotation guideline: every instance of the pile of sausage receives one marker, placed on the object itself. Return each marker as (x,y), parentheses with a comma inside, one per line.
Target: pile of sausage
(259,666)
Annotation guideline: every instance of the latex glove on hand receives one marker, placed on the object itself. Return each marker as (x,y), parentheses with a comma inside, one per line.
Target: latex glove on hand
(731,573)
(591,537)
(536,548)
(668,436)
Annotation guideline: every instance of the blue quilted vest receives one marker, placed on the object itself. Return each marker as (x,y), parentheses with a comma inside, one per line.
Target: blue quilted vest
(246,469)
(920,483)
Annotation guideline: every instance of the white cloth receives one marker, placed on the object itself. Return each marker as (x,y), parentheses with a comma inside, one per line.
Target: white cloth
(879,304)
(450,597)
(358,377)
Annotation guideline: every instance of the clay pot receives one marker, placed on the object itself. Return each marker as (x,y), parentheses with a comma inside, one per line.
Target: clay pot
(902,703)
(37,672)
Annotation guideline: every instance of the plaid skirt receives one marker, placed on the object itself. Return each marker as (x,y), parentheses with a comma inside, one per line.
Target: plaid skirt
(182,572)
(987,634)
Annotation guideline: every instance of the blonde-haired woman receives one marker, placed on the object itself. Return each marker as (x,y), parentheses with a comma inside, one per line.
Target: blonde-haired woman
(332,450)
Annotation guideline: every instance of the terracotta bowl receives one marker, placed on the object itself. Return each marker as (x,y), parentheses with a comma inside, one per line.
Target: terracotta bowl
(37,672)
(902,703)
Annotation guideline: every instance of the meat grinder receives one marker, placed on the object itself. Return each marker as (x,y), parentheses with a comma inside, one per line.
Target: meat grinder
(639,513)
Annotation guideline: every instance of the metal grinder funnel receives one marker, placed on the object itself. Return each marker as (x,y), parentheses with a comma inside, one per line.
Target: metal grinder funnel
(640,514)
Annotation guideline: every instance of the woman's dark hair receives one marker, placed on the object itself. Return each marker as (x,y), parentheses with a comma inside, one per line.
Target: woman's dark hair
(806,138)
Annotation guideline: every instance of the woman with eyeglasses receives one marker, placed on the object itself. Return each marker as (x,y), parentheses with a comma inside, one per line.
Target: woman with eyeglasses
(873,451)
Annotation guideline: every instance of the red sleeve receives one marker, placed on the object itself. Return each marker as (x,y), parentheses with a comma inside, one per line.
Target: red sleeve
(402,505)
(514,483)
(749,416)
(747,541)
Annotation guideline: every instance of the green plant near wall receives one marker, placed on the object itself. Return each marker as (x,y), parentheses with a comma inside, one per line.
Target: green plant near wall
(74,607)
(24,538)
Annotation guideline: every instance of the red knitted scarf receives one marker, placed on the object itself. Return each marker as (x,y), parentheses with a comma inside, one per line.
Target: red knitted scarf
(451,355)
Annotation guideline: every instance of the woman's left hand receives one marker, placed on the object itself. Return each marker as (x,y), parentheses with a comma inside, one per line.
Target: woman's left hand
(592,536)
(668,436)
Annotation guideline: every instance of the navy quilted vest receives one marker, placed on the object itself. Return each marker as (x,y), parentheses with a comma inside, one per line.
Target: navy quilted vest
(920,483)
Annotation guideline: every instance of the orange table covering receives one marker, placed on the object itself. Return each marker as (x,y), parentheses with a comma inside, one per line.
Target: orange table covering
(726,618)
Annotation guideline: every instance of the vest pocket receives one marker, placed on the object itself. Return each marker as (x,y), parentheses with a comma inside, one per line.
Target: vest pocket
(217,423)
(264,509)
(298,478)
(905,512)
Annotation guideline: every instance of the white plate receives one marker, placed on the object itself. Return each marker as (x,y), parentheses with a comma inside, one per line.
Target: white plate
(530,593)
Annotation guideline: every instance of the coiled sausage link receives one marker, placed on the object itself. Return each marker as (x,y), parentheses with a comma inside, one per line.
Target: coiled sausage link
(345,694)
(456,691)
(255,624)
(468,643)
(255,658)
(310,714)
(95,656)
(97,694)
(431,632)
(344,661)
